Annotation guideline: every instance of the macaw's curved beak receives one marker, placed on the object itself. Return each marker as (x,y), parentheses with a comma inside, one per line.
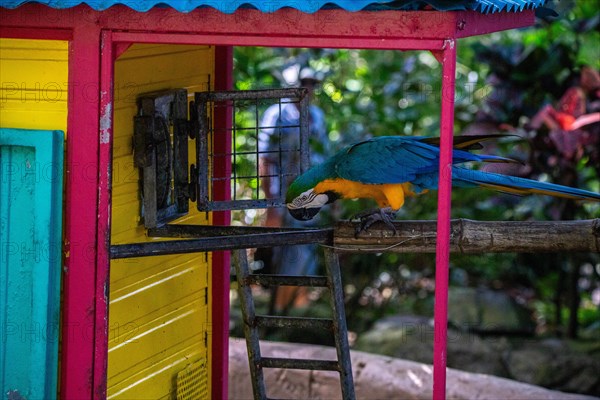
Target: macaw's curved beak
(304,214)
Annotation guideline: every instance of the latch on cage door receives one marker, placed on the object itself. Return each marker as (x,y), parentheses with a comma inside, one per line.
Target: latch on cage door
(160,143)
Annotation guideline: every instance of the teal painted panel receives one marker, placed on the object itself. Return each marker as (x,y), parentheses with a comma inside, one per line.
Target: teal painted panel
(31,176)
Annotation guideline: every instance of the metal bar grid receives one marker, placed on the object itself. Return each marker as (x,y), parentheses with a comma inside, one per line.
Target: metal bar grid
(249,156)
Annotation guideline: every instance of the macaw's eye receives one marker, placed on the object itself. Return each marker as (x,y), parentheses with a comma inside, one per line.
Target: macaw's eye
(301,199)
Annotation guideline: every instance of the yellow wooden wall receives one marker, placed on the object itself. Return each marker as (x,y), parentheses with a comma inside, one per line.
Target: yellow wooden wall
(159,312)
(33,84)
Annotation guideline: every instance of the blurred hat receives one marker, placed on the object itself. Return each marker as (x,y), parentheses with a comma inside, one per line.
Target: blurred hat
(309,74)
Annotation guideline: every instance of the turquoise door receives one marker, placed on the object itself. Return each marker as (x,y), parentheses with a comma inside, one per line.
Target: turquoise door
(31,175)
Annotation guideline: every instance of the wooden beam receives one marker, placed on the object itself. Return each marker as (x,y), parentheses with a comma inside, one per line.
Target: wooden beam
(286,27)
(468,236)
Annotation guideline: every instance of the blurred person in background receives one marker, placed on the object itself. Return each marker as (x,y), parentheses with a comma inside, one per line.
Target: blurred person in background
(280,123)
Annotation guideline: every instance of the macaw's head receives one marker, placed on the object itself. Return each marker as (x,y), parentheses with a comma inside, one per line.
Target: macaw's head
(302,201)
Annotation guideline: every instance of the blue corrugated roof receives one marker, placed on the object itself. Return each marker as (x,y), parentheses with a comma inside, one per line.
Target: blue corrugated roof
(307,6)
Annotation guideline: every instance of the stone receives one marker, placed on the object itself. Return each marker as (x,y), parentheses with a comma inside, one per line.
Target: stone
(555,364)
(375,378)
(411,338)
(552,363)
(485,310)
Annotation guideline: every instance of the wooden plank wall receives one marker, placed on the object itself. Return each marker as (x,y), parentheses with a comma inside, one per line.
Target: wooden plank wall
(159,312)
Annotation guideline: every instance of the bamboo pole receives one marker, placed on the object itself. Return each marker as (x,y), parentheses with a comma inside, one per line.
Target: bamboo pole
(468,236)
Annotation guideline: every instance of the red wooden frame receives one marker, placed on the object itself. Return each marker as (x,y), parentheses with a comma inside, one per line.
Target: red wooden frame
(220,278)
(442,250)
(107,62)
(93,34)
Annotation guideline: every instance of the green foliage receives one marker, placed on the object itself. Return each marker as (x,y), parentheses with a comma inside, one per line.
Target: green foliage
(537,78)
(503,80)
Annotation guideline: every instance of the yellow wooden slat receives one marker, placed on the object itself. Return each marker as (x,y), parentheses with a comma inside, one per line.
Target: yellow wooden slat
(165,333)
(131,271)
(34,84)
(156,286)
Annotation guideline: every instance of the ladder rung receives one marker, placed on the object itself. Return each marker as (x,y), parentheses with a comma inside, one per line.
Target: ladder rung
(286,280)
(268,321)
(299,363)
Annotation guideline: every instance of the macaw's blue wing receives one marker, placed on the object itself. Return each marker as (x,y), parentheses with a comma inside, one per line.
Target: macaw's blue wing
(387,159)
(399,159)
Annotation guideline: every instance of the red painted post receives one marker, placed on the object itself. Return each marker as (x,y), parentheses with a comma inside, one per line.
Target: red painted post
(221,259)
(79,318)
(105,139)
(443,221)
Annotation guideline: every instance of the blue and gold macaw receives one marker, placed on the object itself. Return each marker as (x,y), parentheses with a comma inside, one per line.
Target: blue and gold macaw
(387,169)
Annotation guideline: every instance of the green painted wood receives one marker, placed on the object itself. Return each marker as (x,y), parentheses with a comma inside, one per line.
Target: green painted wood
(31,175)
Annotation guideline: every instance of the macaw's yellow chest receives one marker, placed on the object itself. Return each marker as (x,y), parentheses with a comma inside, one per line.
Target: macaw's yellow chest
(386,195)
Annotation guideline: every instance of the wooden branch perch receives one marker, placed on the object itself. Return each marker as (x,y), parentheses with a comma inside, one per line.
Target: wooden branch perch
(468,236)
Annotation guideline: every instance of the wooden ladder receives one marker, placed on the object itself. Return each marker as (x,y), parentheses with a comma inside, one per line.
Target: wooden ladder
(253,322)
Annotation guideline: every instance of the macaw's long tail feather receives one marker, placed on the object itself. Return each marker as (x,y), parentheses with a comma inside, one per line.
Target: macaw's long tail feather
(498,159)
(520,186)
(473,142)
(467,142)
